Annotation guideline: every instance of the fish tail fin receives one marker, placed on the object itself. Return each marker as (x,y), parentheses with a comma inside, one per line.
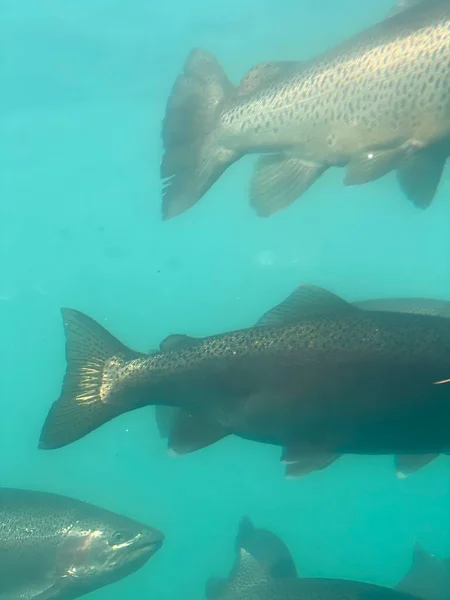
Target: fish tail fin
(89,396)
(193,158)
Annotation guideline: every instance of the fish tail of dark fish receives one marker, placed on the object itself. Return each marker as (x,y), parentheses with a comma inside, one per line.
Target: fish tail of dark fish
(87,398)
(193,157)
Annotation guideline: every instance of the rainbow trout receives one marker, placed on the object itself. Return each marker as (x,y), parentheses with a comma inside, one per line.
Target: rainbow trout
(57,548)
(377,102)
(252,578)
(316,375)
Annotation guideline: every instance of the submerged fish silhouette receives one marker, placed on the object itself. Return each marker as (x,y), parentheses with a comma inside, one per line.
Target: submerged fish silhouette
(317,375)
(375,103)
(56,548)
(253,576)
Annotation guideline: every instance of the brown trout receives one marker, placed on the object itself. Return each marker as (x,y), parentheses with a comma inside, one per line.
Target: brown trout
(378,102)
(316,375)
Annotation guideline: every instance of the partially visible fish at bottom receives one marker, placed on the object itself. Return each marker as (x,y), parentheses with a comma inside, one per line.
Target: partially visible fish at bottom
(54,547)
(253,577)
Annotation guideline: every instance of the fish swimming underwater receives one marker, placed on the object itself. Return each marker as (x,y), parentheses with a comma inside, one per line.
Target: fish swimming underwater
(55,547)
(165,415)
(376,103)
(252,579)
(316,375)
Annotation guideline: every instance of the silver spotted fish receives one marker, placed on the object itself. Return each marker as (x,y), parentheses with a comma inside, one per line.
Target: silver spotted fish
(57,548)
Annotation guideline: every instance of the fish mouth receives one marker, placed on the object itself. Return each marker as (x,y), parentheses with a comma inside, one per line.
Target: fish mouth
(148,547)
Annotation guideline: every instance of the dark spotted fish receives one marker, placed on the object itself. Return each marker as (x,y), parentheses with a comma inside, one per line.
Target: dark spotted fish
(377,102)
(250,581)
(252,578)
(54,547)
(267,548)
(316,375)
(165,415)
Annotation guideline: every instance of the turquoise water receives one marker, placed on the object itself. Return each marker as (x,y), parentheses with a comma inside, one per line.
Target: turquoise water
(84,87)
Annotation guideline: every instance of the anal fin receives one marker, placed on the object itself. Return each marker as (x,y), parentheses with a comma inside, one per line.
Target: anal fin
(193,431)
(419,175)
(279,180)
(406,464)
(164,416)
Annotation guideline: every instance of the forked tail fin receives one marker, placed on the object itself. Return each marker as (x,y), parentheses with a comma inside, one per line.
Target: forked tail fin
(193,156)
(86,400)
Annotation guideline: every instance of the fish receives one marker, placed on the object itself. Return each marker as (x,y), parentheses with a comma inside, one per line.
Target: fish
(250,581)
(266,547)
(251,578)
(376,103)
(165,415)
(53,547)
(316,375)
(428,577)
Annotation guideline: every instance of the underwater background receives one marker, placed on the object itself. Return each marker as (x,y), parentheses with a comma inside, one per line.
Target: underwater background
(83,92)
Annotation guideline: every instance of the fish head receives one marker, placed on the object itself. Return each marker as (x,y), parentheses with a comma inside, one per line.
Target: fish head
(104,548)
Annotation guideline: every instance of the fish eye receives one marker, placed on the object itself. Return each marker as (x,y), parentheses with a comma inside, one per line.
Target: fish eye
(119,537)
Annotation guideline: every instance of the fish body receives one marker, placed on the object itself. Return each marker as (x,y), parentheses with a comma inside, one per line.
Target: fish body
(418,306)
(316,375)
(250,581)
(253,576)
(318,588)
(55,547)
(375,103)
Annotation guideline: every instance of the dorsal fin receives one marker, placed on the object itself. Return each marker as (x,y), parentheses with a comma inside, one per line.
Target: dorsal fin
(266,73)
(246,573)
(267,548)
(304,302)
(178,341)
